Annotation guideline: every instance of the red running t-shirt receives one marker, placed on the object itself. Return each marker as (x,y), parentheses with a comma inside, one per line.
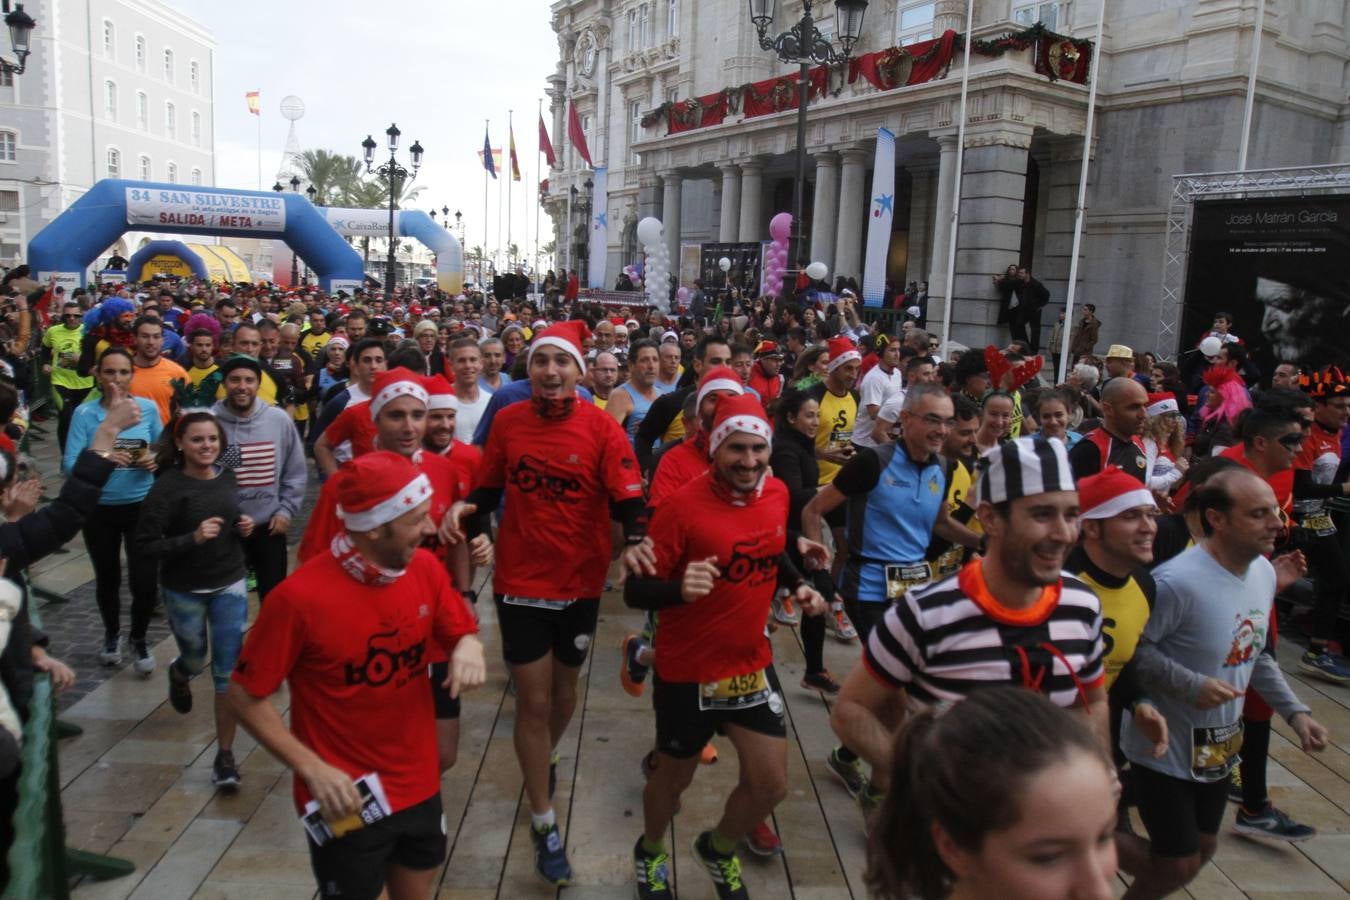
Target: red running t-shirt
(722,634)
(355,657)
(677,467)
(467,460)
(353,424)
(560,476)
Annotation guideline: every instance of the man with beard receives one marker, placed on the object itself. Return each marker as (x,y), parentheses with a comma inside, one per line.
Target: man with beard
(153,376)
(1010,617)
(493,379)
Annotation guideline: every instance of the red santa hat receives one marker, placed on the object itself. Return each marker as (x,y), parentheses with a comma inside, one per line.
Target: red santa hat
(376,488)
(1165,402)
(842,352)
(742,414)
(393,384)
(719,378)
(440,392)
(1111,492)
(567,335)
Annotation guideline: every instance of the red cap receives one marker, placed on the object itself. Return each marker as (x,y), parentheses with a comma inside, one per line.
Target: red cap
(1109,493)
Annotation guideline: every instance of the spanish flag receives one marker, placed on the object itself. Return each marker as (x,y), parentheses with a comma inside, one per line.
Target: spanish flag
(515,163)
(254,102)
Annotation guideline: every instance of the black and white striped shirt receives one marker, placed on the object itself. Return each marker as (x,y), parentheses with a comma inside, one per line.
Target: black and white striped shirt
(944,640)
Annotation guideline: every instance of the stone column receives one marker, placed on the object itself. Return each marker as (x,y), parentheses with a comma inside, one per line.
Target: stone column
(752,202)
(852,206)
(728,229)
(990,235)
(942,225)
(949,15)
(670,216)
(1060,172)
(824,219)
(922,177)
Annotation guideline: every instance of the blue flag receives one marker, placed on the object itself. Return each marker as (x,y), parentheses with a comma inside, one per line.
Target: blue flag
(487,155)
(880,220)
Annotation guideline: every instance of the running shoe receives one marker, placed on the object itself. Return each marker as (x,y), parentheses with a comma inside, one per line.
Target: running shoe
(632,674)
(553,773)
(821,681)
(180,691)
(1273,824)
(785,611)
(1322,663)
(653,874)
(550,859)
(725,870)
(145,663)
(869,800)
(763,842)
(839,623)
(1235,785)
(111,654)
(708,755)
(224,773)
(850,772)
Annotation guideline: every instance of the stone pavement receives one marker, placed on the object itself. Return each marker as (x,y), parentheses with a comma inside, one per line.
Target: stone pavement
(136,784)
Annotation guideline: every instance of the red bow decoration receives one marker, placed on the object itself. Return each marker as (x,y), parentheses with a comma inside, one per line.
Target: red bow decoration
(999,366)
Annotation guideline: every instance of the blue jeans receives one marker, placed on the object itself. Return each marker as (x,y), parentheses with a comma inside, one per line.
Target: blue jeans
(189,613)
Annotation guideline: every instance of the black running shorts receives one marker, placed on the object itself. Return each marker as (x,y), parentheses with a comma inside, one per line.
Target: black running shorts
(352,867)
(682,728)
(530,633)
(1176,811)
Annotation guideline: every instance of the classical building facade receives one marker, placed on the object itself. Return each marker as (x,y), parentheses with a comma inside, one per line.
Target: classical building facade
(1172,81)
(113,89)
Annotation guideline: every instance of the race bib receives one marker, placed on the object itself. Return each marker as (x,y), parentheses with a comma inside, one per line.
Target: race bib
(137,447)
(905,576)
(951,560)
(536,602)
(1214,751)
(736,692)
(1320,524)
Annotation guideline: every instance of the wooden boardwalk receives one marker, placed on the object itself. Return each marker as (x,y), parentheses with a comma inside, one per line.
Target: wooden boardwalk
(137,785)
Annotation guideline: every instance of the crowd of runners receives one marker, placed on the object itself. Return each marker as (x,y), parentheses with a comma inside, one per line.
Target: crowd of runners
(1064,597)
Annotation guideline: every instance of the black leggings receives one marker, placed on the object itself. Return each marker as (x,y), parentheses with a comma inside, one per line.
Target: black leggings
(1327,566)
(1255,753)
(813,643)
(70,398)
(106,531)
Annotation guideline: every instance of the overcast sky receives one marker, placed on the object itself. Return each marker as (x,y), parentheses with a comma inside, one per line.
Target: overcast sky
(437,69)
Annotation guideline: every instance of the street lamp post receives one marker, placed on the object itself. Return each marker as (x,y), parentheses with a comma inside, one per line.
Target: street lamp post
(20,25)
(804,44)
(394,174)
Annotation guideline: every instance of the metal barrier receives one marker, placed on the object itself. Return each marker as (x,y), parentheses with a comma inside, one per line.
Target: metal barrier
(37,857)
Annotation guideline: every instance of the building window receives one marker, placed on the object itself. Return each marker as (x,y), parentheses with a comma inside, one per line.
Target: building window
(672,94)
(1029,12)
(170,121)
(9,201)
(633,36)
(110,100)
(645,24)
(142,111)
(140,53)
(672,18)
(168,66)
(196,129)
(9,143)
(172,173)
(6,77)
(145,168)
(114,163)
(197,176)
(109,40)
(195,76)
(635,126)
(915,22)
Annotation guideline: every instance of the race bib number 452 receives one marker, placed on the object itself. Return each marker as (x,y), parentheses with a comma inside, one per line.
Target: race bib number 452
(736,692)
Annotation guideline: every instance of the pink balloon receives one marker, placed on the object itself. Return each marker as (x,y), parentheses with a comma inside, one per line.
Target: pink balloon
(682,294)
(780,226)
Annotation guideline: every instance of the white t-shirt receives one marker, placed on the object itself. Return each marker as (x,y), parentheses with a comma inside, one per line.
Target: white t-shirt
(877,387)
(468,414)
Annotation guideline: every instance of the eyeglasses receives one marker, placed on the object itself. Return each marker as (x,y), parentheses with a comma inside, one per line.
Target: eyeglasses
(932,420)
(1292,441)
(69,316)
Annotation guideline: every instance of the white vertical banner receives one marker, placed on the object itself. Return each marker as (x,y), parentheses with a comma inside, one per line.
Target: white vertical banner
(599,247)
(879,220)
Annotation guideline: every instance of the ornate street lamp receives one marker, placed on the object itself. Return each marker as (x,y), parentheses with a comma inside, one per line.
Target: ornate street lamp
(20,25)
(395,175)
(804,44)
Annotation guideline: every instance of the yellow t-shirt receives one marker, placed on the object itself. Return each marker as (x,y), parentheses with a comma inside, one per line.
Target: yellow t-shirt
(599,401)
(958,497)
(196,374)
(313,344)
(837,415)
(1125,609)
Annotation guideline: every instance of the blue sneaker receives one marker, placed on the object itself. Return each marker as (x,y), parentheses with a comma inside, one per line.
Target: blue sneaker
(550,859)
(1273,824)
(1324,664)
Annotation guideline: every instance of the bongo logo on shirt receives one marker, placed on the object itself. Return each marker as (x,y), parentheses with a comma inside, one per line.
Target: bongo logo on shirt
(385,659)
(532,475)
(752,562)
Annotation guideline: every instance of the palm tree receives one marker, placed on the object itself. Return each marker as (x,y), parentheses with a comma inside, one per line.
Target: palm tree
(333,175)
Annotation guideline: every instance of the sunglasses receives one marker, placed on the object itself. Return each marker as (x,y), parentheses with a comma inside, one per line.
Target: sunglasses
(1292,441)
(68,316)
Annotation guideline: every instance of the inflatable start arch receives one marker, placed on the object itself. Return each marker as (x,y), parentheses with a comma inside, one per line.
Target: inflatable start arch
(411,223)
(67,246)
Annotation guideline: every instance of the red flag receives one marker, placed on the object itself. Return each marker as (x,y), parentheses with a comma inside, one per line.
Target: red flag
(576,134)
(545,145)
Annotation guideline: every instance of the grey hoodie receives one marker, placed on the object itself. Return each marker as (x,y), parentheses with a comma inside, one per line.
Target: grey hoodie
(268,461)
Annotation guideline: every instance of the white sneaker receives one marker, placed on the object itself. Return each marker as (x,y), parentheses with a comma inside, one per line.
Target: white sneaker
(145,663)
(111,654)
(839,623)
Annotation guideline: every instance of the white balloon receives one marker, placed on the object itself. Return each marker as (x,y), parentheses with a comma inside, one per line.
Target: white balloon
(724,264)
(817,270)
(650,230)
